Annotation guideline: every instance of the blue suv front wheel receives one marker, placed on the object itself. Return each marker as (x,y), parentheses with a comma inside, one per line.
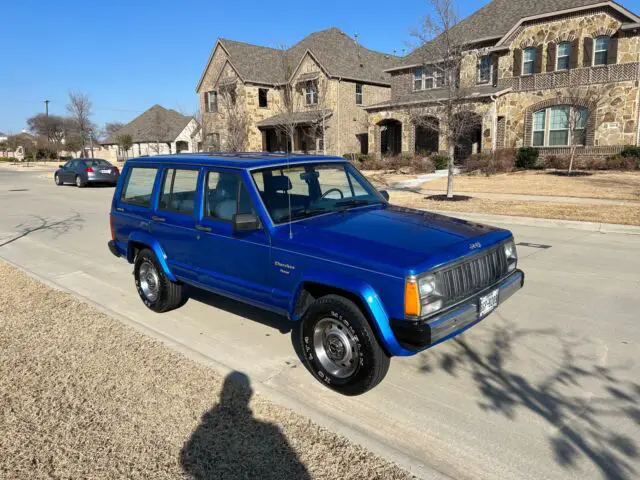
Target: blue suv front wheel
(340,348)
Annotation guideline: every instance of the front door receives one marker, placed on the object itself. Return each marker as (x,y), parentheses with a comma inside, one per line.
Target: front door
(173,221)
(237,263)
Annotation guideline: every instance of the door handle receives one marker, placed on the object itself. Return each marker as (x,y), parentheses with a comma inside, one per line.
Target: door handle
(158,219)
(119,209)
(203,228)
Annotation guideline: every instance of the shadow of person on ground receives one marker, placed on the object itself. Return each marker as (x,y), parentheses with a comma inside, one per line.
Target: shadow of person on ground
(230,443)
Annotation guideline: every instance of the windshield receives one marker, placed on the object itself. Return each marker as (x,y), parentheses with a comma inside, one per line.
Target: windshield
(302,191)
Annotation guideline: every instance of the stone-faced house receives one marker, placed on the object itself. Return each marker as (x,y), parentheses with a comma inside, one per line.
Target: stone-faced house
(525,66)
(154,132)
(331,80)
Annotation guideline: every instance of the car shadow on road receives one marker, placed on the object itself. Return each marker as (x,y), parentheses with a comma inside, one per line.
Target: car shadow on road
(58,227)
(229,443)
(576,398)
(277,322)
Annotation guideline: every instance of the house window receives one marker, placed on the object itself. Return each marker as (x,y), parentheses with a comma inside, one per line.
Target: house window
(262,97)
(563,56)
(358,94)
(529,61)
(211,101)
(559,126)
(311,93)
(484,70)
(213,142)
(428,78)
(601,51)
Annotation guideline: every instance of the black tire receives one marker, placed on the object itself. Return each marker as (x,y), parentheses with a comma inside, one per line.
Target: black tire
(56,179)
(372,361)
(80,183)
(170,295)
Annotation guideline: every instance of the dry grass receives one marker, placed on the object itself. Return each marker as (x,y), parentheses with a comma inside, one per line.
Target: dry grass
(619,214)
(84,396)
(610,185)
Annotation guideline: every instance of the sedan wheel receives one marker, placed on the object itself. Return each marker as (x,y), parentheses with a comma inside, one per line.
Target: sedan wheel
(56,177)
(80,183)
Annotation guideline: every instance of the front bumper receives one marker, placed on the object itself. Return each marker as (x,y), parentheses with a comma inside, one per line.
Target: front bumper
(424,333)
(113,248)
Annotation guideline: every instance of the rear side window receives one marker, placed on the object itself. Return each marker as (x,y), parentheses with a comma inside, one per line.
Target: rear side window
(225,196)
(139,186)
(179,190)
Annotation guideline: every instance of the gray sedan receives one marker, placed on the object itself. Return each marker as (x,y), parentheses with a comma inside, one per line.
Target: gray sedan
(84,171)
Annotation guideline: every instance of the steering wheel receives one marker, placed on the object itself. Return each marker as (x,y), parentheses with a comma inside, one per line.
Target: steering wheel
(332,190)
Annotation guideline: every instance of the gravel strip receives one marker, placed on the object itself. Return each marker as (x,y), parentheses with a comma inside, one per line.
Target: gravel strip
(84,396)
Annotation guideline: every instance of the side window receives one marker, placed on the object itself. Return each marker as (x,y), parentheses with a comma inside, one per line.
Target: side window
(221,195)
(68,164)
(139,186)
(179,190)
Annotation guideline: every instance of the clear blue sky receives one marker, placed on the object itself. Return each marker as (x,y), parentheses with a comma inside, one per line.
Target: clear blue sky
(129,55)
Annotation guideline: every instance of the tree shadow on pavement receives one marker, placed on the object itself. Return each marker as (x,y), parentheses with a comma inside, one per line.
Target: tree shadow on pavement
(58,227)
(230,443)
(576,398)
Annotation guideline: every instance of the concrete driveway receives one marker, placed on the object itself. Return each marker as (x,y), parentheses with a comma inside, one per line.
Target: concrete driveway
(546,387)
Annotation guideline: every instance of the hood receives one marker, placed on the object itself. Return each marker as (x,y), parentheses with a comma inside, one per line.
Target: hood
(388,239)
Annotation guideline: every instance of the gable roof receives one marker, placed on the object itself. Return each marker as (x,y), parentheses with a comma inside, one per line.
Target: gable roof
(339,55)
(500,17)
(156,124)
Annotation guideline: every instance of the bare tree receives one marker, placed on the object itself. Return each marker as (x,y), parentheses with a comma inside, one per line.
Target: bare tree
(580,106)
(289,102)
(80,110)
(447,111)
(319,111)
(111,128)
(159,131)
(235,117)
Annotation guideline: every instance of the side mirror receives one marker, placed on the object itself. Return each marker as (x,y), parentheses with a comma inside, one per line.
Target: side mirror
(61,166)
(245,222)
(384,194)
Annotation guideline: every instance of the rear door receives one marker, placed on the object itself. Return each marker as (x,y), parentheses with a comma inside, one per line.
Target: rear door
(133,204)
(173,221)
(235,262)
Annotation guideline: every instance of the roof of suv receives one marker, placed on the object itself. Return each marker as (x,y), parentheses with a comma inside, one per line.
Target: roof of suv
(235,160)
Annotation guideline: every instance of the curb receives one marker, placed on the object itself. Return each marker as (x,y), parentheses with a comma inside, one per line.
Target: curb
(545,222)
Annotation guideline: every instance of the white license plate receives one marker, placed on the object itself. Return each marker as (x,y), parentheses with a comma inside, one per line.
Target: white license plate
(488,303)
(105,171)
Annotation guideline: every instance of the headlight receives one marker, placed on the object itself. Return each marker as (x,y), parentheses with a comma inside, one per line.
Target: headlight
(511,255)
(422,296)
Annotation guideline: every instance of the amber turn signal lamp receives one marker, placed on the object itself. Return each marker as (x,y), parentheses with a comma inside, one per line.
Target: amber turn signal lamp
(411,299)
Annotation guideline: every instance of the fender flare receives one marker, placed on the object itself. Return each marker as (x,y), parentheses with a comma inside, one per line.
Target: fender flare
(375,310)
(154,245)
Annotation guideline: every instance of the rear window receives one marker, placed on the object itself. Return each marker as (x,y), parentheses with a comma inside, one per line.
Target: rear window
(97,162)
(179,190)
(139,186)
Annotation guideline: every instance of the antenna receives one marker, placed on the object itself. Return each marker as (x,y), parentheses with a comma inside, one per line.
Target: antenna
(288,189)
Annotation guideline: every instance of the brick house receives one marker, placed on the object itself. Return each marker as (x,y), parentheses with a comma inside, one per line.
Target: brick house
(332,80)
(522,61)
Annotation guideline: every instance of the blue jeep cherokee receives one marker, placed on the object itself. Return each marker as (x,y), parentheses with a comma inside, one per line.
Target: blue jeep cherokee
(310,238)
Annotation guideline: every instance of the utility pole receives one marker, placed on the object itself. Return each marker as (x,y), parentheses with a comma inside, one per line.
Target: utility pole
(46,114)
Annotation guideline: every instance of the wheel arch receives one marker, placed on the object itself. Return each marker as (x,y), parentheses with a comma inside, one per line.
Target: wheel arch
(360,293)
(138,241)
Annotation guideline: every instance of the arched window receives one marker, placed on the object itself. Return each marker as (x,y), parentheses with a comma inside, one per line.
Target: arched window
(563,56)
(601,50)
(560,126)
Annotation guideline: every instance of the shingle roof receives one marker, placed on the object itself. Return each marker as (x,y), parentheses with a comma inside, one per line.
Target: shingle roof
(156,124)
(338,53)
(430,96)
(298,118)
(495,20)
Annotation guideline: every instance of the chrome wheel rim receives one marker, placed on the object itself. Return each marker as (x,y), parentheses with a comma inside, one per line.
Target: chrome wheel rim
(149,281)
(78,181)
(336,348)
(57,179)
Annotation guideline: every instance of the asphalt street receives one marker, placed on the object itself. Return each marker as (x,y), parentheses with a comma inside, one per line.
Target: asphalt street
(548,386)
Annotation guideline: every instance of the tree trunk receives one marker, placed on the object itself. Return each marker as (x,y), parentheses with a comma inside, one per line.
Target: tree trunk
(573,154)
(452,150)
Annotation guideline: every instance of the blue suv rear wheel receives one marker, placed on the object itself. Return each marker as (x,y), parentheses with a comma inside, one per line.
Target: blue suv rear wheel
(156,291)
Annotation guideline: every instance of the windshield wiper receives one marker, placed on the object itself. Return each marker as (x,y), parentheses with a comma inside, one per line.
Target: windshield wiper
(302,213)
(355,203)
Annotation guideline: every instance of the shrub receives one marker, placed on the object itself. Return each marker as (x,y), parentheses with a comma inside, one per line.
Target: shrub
(630,151)
(559,162)
(501,161)
(423,165)
(527,157)
(7,159)
(440,161)
(619,162)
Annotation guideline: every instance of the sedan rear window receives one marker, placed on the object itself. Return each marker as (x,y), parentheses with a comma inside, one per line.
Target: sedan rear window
(139,186)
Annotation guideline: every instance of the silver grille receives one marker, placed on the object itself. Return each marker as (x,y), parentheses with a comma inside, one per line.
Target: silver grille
(470,276)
